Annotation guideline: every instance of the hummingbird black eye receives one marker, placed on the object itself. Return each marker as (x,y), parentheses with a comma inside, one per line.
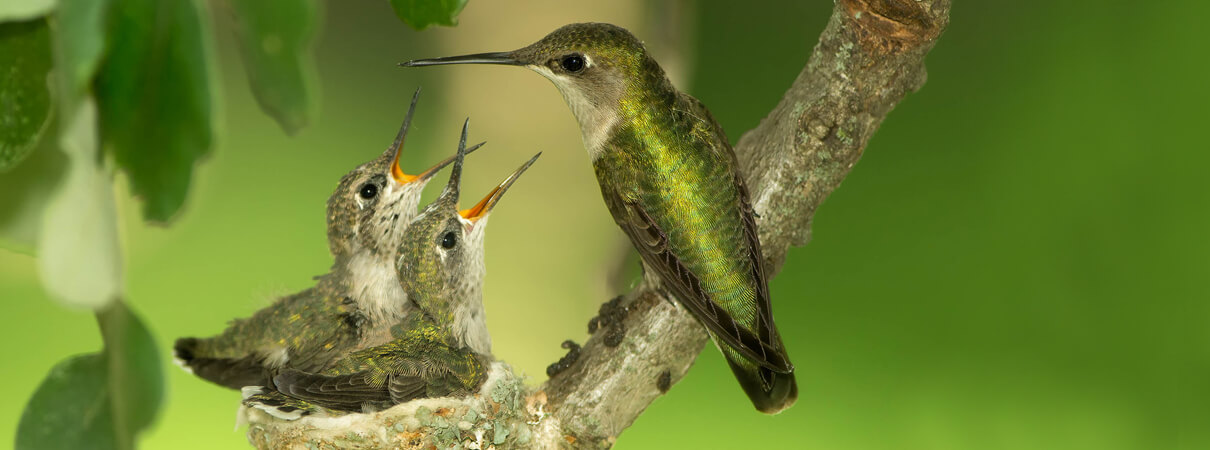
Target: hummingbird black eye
(368,191)
(449,240)
(572,63)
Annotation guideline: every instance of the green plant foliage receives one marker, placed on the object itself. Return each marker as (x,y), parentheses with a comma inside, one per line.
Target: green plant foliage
(79,256)
(275,43)
(79,39)
(24,9)
(25,97)
(134,370)
(74,407)
(419,14)
(153,92)
(70,409)
(35,179)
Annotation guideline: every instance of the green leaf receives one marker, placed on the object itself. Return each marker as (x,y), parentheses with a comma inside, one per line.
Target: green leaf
(275,43)
(154,95)
(25,96)
(71,408)
(98,400)
(134,370)
(28,189)
(419,14)
(79,29)
(79,256)
(24,9)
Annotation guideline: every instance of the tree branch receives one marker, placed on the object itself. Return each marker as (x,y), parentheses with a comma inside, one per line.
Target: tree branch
(870,55)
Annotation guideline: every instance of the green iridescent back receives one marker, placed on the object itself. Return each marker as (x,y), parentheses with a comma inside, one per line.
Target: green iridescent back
(688,190)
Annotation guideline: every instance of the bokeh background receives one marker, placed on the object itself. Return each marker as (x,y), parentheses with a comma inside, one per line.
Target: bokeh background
(1018,261)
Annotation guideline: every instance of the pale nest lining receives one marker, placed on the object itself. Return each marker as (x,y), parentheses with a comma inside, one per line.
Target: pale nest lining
(503,414)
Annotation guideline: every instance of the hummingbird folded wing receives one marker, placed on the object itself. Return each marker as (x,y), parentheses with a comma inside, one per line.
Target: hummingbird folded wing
(652,244)
(347,392)
(395,379)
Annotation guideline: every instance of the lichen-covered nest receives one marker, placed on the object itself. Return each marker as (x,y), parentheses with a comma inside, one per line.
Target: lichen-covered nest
(503,414)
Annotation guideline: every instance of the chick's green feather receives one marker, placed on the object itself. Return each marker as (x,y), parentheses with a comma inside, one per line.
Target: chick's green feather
(422,362)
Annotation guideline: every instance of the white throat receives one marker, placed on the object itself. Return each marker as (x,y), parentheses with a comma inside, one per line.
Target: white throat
(470,319)
(375,287)
(596,121)
(373,280)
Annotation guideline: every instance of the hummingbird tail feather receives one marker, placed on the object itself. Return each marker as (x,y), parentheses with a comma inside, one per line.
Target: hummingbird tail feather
(183,351)
(233,373)
(771,392)
(182,363)
(275,403)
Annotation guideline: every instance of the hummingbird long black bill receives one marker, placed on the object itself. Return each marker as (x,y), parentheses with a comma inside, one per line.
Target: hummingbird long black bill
(451,192)
(481,209)
(504,58)
(396,170)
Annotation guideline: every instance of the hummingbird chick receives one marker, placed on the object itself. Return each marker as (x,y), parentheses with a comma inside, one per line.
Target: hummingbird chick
(672,183)
(441,350)
(366,219)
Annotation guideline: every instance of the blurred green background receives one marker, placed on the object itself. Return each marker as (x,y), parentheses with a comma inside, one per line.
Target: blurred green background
(1018,261)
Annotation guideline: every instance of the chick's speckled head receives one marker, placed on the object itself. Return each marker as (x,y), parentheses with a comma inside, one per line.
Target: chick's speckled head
(372,203)
(441,259)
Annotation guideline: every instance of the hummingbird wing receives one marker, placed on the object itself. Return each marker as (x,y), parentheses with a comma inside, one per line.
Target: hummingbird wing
(652,244)
(391,376)
(307,331)
(651,214)
(346,392)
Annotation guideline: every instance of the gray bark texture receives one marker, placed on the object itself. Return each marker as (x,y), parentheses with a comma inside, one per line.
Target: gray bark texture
(869,57)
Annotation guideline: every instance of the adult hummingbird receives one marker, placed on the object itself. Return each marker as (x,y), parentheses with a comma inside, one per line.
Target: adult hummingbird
(671,180)
(367,216)
(442,350)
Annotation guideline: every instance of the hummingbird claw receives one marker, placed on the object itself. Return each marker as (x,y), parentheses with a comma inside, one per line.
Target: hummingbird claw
(573,354)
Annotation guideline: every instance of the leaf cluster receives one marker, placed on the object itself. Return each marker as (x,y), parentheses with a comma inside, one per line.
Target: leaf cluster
(90,89)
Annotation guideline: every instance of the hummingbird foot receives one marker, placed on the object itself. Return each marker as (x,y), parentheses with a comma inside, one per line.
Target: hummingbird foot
(609,317)
(573,354)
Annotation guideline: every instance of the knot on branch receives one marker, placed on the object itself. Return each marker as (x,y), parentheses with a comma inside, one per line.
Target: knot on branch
(888,26)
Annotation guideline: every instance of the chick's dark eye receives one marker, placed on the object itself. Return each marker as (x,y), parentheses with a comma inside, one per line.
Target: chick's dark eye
(449,240)
(572,63)
(368,191)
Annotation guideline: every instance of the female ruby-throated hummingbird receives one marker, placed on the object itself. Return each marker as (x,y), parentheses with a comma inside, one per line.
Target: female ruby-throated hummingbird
(440,351)
(367,215)
(671,180)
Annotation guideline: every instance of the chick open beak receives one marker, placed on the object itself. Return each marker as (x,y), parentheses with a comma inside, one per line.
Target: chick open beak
(403,178)
(397,172)
(484,207)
